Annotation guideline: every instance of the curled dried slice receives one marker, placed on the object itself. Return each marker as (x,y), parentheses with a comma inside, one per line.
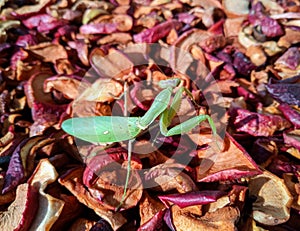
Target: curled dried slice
(294,188)
(105,176)
(82,224)
(258,124)
(16,172)
(233,9)
(27,10)
(102,90)
(72,180)
(34,89)
(110,185)
(232,162)
(149,207)
(165,177)
(114,64)
(157,32)
(49,52)
(286,93)
(192,198)
(50,207)
(22,211)
(98,28)
(155,223)
(273,199)
(290,114)
(223,219)
(69,86)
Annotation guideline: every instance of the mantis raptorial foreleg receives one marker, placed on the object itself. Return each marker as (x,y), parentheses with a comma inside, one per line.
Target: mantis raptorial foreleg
(159,104)
(167,116)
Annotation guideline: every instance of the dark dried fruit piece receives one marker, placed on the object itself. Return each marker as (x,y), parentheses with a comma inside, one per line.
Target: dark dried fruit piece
(257,124)
(285,93)
(155,33)
(290,114)
(17,165)
(101,225)
(192,198)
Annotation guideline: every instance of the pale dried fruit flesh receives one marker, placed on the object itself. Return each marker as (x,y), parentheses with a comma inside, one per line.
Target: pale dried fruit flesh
(273,199)
(22,211)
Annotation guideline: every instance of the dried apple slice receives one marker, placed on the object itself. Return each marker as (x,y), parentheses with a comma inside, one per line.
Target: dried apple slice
(34,89)
(223,219)
(232,162)
(105,176)
(50,207)
(22,211)
(114,64)
(69,86)
(49,52)
(72,180)
(166,177)
(155,223)
(102,90)
(16,172)
(148,207)
(82,224)
(110,185)
(235,10)
(294,188)
(272,206)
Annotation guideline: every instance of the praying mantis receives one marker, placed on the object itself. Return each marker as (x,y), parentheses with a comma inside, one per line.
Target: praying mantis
(109,129)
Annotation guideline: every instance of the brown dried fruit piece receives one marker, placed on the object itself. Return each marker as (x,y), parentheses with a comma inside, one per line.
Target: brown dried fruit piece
(232,162)
(111,179)
(166,177)
(82,224)
(22,211)
(294,188)
(49,52)
(149,206)
(272,206)
(223,219)
(50,207)
(72,180)
(34,89)
(68,86)
(114,64)
(102,90)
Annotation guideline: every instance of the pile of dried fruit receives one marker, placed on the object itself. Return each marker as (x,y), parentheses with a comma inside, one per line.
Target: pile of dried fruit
(62,59)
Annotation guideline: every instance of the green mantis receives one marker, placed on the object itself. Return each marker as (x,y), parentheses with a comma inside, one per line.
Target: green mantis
(109,129)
